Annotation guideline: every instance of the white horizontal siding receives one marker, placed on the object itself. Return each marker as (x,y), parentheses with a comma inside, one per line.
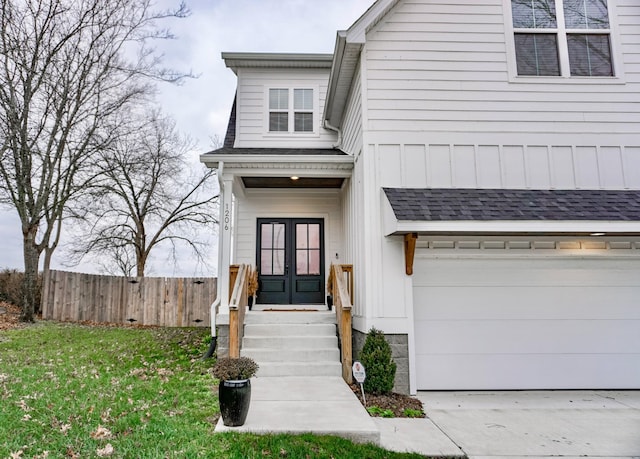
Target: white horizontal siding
(436,67)
(252,108)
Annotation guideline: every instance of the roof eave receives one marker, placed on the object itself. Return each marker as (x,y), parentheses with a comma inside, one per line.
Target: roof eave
(235,61)
(346,60)
(212,160)
(346,55)
(515,227)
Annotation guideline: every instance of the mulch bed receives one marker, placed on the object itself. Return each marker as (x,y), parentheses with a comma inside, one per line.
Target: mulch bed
(393,401)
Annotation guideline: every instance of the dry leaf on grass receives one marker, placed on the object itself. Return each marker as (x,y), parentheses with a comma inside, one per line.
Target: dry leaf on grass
(106,451)
(101,433)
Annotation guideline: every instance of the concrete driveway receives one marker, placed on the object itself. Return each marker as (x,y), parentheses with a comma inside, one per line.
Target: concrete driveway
(521,423)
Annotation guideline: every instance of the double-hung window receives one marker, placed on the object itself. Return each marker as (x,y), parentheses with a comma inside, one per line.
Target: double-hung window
(278,110)
(562,38)
(291,110)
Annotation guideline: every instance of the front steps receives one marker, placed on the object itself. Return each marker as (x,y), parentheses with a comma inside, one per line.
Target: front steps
(301,343)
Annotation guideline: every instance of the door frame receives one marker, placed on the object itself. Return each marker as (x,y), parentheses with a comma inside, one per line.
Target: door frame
(291,279)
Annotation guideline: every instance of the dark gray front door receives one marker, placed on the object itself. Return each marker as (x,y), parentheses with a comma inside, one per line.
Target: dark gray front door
(290,261)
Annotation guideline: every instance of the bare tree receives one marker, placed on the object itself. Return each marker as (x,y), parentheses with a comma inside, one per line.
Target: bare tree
(147,196)
(66,68)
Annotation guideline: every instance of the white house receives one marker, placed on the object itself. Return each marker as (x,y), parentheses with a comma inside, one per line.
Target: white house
(477,162)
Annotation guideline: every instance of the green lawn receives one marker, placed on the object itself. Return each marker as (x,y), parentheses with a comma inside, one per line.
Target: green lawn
(69,390)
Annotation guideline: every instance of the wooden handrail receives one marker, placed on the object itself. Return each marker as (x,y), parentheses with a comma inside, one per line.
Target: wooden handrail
(237,306)
(340,287)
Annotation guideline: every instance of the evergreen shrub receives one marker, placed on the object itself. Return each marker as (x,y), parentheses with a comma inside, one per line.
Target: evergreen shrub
(378,364)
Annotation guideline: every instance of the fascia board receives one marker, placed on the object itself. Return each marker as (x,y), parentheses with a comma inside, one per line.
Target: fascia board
(358,30)
(334,76)
(276,60)
(306,159)
(395,227)
(271,166)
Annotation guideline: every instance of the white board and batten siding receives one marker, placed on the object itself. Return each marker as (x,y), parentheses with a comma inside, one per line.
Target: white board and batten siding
(527,318)
(442,110)
(252,129)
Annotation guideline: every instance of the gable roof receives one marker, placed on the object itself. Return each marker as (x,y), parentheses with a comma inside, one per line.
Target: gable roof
(346,57)
(431,209)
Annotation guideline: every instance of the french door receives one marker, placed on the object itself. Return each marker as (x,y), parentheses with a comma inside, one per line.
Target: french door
(290,261)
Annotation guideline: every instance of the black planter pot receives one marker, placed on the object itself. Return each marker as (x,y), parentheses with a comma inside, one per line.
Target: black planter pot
(234,397)
(329,302)
(250,302)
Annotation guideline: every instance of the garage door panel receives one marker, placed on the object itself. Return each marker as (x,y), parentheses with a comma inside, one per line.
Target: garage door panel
(527,271)
(495,372)
(561,321)
(540,302)
(529,337)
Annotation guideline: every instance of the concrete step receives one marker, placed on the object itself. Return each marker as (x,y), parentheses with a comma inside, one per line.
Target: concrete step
(289,330)
(298,317)
(289,342)
(299,369)
(292,355)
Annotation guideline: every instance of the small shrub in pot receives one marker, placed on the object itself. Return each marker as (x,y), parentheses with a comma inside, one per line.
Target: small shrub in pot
(234,390)
(234,369)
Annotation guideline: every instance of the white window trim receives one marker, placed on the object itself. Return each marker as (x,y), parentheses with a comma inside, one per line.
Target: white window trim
(291,110)
(563,53)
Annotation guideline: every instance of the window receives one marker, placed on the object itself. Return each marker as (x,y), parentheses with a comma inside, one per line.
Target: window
(278,110)
(303,110)
(562,37)
(281,118)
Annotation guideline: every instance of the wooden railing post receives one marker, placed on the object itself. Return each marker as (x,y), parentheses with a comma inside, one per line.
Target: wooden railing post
(239,276)
(233,274)
(341,290)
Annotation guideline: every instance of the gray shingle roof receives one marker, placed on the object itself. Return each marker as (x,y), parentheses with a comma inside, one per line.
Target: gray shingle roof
(438,204)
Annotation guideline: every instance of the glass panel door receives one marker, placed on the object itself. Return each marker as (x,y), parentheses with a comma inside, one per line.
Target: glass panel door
(290,261)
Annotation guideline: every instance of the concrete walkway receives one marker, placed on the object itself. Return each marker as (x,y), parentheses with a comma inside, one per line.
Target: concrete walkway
(520,424)
(293,404)
(513,424)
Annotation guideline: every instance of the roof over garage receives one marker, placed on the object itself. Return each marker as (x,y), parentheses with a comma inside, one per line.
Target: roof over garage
(479,212)
(431,204)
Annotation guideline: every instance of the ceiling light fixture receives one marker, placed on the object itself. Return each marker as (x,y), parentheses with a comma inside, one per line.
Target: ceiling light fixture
(597,234)
(294,177)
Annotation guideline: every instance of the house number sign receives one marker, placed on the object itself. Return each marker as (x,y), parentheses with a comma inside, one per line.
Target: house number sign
(227,217)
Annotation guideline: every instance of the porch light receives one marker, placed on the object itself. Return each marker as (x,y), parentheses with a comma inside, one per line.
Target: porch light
(597,234)
(294,177)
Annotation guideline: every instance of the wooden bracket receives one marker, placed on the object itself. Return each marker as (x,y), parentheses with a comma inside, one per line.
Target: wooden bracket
(409,251)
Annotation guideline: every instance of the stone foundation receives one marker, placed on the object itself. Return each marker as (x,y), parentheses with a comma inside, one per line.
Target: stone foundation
(399,352)
(222,332)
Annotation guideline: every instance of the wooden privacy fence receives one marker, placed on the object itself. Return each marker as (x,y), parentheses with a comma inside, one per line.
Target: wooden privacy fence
(170,302)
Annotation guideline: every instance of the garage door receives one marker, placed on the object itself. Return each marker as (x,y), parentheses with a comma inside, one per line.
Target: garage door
(487,321)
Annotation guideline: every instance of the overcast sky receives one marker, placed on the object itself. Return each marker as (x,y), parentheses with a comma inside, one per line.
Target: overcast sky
(201,106)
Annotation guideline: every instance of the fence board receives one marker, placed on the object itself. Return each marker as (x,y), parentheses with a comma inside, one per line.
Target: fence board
(169,302)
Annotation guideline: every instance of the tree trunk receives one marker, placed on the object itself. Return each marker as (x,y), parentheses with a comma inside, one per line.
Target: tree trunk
(30,280)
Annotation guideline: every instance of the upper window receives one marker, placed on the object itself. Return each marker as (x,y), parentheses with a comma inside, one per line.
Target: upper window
(562,37)
(281,117)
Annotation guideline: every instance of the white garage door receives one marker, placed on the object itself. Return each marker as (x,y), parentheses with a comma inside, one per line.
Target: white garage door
(486,321)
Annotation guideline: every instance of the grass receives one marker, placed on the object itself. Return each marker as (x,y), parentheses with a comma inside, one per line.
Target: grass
(70,390)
